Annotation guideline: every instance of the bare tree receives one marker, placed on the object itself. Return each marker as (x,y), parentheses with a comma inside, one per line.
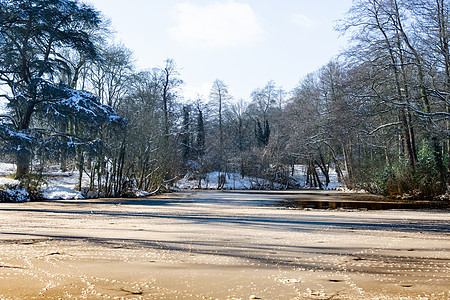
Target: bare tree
(218,100)
(170,84)
(109,75)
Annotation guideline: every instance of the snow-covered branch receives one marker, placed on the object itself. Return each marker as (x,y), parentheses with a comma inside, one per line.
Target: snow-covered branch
(381,127)
(6,97)
(13,121)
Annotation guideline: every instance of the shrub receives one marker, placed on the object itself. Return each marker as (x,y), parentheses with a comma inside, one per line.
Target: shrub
(429,181)
(13,193)
(423,181)
(32,185)
(382,178)
(395,180)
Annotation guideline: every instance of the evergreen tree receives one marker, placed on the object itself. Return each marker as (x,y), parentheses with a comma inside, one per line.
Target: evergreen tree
(200,133)
(262,134)
(185,135)
(266,133)
(34,35)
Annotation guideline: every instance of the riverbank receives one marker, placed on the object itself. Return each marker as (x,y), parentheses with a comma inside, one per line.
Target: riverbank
(220,245)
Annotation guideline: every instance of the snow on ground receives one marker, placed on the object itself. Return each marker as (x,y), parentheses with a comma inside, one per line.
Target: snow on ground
(58,185)
(300,177)
(8,181)
(7,169)
(62,188)
(61,185)
(234,181)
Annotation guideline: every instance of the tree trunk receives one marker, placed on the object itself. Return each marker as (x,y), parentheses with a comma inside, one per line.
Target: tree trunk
(23,163)
(317,182)
(348,170)
(407,138)
(80,169)
(24,155)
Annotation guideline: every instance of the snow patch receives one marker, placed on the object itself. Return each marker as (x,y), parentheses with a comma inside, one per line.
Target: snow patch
(233,181)
(62,188)
(19,195)
(7,169)
(14,194)
(8,181)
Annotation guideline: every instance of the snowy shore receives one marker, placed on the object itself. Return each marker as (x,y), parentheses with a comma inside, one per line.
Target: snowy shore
(62,185)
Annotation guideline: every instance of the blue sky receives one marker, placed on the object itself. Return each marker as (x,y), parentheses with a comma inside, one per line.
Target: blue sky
(245,43)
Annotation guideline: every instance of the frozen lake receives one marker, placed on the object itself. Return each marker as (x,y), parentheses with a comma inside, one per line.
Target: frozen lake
(224,245)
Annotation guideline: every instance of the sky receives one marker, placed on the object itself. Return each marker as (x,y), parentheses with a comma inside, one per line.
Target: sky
(244,43)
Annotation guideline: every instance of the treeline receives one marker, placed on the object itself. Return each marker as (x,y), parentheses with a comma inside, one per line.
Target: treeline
(378,114)
(381,110)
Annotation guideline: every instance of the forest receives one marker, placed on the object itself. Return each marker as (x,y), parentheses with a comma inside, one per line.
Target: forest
(378,114)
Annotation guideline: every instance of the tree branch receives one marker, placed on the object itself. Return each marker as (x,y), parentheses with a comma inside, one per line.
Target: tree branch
(10,118)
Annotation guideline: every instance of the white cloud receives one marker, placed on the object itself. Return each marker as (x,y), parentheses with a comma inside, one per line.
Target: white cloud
(196,91)
(302,21)
(218,25)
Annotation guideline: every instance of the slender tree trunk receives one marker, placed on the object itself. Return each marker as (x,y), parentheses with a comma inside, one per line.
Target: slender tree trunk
(412,139)
(348,168)
(80,169)
(324,168)
(317,182)
(386,155)
(407,138)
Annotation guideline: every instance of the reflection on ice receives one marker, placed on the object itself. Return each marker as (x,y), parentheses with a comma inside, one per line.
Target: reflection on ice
(364,205)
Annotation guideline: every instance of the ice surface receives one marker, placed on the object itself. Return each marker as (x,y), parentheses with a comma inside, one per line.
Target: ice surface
(220,245)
